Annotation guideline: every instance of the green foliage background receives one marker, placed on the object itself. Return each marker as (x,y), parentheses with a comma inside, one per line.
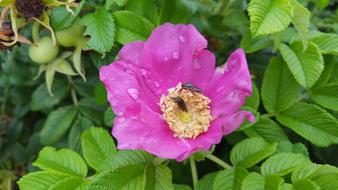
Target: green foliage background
(63,142)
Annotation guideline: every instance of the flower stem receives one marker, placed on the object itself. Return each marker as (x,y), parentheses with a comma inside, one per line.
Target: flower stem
(35,32)
(72,91)
(218,161)
(193,172)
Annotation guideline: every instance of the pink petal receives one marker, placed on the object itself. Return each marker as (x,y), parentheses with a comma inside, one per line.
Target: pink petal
(169,52)
(131,52)
(230,123)
(230,85)
(148,131)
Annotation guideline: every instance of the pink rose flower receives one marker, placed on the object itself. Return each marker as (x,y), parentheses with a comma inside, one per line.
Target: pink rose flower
(169,97)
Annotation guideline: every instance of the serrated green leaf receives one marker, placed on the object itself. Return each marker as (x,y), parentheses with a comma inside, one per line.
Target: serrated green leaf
(283,163)
(129,177)
(311,122)
(229,179)
(255,181)
(131,27)
(181,187)
(57,124)
(327,73)
(157,178)
(73,183)
(301,20)
(101,28)
(127,157)
(313,171)
(109,117)
(326,96)
(251,151)
(42,180)
(327,43)
(266,129)
(279,88)
(306,66)
(145,8)
(74,136)
(305,184)
(327,182)
(269,16)
(98,148)
(64,161)
(287,146)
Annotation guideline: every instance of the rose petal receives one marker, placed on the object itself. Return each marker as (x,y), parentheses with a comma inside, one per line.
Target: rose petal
(230,85)
(230,123)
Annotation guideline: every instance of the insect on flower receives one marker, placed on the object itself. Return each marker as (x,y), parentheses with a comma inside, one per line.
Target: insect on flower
(168,91)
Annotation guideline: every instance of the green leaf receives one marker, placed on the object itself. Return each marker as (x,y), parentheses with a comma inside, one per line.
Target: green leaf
(73,183)
(41,98)
(229,179)
(129,177)
(327,73)
(269,16)
(42,180)
(63,161)
(313,171)
(181,187)
(287,146)
(253,101)
(101,29)
(62,19)
(100,94)
(251,151)
(207,182)
(279,88)
(266,129)
(312,123)
(327,43)
(120,3)
(127,157)
(98,148)
(157,178)
(173,11)
(57,124)
(326,96)
(283,163)
(305,184)
(74,136)
(109,117)
(301,20)
(306,66)
(327,182)
(251,45)
(145,8)
(255,181)
(131,27)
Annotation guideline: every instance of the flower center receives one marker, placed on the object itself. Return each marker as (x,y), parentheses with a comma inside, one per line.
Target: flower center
(186,110)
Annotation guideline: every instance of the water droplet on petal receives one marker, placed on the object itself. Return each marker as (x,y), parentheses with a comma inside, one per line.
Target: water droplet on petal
(157,84)
(166,59)
(133,93)
(176,55)
(144,72)
(181,39)
(120,114)
(197,65)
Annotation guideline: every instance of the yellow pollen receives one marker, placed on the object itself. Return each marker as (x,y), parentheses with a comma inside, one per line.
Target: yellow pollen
(186,112)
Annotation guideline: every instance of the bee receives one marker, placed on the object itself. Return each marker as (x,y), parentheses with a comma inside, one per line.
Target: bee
(180,102)
(191,87)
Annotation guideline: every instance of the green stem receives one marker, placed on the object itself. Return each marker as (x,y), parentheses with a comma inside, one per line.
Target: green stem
(72,91)
(218,161)
(193,172)
(35,32)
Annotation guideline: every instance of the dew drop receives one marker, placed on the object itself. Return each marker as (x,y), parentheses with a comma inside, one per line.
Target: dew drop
(133,93)
(157,84)
(176,55)
(166,59)
(181,39)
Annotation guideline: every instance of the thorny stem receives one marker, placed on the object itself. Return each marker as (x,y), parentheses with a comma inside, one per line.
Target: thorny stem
(218,161)
(193,172)
(72,91)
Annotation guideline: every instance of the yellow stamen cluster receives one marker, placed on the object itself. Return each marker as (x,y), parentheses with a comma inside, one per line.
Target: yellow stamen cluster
(190,123)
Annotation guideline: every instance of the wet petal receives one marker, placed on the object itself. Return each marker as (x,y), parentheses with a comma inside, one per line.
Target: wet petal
(230,123)
(230,85)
